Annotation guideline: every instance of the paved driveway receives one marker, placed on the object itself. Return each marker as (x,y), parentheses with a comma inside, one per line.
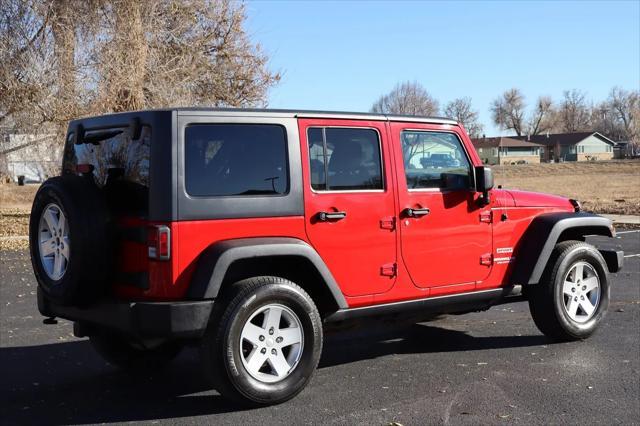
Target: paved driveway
(484,368)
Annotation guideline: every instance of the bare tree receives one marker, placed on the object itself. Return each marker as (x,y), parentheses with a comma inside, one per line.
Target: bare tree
(24,60)
(408,98)
(573,114)
(460,109)
(63,30)
(603,120)
(625,109)
(508,111)
(543,117)
(64,58)
(197,54)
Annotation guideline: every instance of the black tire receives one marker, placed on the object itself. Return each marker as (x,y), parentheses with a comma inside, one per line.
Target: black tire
(546,299)
(86,215)
(221,345)
(126,354)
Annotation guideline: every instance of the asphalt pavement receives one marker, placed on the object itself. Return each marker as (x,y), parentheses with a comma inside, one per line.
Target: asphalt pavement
(489,367)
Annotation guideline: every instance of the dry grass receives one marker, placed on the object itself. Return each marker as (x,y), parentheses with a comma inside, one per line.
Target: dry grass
(14,197)
(602,187)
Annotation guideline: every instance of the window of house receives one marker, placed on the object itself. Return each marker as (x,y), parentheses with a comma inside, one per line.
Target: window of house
(435,160)
(344,159)
(235,159)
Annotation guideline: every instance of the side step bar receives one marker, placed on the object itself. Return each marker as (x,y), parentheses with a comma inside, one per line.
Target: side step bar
(449,304)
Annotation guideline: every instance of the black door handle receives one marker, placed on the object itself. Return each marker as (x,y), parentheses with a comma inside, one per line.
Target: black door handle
(416,212)
(326,216)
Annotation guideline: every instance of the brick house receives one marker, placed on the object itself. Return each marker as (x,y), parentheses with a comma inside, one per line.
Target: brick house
(584,146)
(507,150)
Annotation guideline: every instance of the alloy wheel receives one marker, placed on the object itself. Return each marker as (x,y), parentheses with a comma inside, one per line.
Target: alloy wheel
(271,343)
(54,247)
(581,292)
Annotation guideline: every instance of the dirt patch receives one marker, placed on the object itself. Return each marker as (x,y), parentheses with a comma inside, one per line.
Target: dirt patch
(14,223)
(15,205)
(611,187)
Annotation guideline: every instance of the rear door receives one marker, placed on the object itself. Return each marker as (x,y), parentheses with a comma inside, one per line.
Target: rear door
(349,201)
(446,235)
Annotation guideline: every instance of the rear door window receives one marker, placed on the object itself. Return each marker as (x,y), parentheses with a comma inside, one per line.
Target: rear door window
(235,160)
(344,159)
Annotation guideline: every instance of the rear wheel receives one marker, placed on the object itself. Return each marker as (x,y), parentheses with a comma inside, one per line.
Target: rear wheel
(263,342)
(573,295)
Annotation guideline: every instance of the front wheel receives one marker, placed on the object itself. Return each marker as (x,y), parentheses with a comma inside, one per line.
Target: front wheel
(263,342)
(573,295)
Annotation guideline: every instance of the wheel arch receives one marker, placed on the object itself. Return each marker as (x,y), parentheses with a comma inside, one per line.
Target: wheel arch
(228,261)
(547,230)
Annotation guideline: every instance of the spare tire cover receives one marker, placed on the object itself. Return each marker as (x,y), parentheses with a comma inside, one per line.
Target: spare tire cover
(69,240)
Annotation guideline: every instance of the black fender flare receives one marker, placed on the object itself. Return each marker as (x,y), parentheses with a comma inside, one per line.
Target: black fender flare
(216,259)
(544,232)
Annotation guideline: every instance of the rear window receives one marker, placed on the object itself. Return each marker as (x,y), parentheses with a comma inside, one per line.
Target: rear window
(235,160)
(344,159)
(114,155)
(119,164)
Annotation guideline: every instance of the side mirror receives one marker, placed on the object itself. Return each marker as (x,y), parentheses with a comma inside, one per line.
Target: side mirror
(484,182)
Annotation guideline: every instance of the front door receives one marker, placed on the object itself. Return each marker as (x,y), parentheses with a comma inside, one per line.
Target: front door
(349,202)
(446,235)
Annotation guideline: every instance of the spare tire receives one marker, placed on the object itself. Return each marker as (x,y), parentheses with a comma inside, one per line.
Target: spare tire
(69,240)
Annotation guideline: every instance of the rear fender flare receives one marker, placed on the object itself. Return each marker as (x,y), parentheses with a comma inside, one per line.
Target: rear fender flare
(544,232)
(216,259)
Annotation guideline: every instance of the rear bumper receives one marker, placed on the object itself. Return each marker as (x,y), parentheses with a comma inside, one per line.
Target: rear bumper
(140,319)
(614,259)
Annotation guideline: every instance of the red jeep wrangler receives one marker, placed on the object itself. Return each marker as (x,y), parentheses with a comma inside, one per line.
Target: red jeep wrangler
(247,231)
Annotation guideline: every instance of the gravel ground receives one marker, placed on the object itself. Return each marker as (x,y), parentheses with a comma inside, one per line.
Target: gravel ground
(491,367)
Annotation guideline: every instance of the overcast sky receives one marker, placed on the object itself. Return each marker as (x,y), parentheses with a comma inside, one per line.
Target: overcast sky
(344,55)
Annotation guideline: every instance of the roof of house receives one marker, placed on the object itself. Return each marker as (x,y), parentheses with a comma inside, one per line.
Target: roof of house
(502,142)
(564,138)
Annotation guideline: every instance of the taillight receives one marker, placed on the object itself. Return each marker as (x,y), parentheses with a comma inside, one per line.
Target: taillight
(84,168)
(159,242)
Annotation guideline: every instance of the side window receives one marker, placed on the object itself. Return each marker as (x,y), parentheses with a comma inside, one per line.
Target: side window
(235,159)
(343,159)
(435,160)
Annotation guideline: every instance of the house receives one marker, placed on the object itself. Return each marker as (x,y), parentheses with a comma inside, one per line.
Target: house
(584,146)
(35,157)
(507,150)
